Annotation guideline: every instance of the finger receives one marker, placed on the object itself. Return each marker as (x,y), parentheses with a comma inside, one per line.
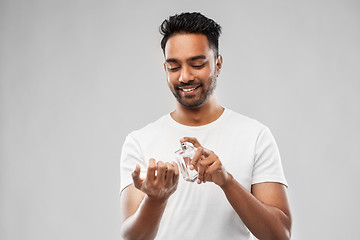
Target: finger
(214,168)
(207,152)
(192,140)
(161,172)
(150,175)
(169,174)
(176,173)
(196,158)
(196,144)
(136,177)
(204,164)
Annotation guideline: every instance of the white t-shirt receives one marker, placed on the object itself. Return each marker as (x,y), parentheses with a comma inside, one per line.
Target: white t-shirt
(246,149)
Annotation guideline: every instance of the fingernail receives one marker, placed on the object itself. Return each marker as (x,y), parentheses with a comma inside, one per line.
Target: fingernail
(198,181)
(191,167)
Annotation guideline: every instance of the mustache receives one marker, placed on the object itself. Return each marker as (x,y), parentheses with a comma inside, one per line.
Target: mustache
(189,84)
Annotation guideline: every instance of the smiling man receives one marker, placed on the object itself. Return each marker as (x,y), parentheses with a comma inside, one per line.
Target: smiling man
(182,59)
(240,190)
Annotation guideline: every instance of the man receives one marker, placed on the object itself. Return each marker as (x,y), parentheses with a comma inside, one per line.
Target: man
(241,189)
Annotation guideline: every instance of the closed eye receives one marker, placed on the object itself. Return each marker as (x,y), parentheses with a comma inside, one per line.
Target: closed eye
(173,69)
(198,66)
(172,66)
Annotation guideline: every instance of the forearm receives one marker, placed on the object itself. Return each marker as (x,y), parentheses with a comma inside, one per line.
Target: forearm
(145,222)
(264,221)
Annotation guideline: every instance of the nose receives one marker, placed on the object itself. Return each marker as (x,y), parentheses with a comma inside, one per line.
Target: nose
(186,75)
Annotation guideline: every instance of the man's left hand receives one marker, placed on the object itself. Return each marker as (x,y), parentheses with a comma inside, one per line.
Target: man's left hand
(207,163)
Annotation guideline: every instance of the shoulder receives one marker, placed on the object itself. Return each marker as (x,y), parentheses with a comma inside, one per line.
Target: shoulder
(243,122)
(150,129)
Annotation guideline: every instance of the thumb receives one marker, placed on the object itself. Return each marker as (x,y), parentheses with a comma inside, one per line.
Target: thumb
(136,177)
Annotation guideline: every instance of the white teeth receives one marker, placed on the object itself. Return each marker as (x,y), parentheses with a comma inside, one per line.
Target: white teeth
(189,89)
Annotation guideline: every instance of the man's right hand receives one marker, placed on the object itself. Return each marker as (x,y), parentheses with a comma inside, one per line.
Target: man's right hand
(141,221)
(160,182)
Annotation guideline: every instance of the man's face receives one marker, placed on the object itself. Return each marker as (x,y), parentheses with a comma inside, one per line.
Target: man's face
(191,68)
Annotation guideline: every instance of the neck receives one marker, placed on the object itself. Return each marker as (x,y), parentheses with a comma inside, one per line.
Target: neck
(204,114)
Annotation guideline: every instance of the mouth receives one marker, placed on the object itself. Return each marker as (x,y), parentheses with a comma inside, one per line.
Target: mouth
(189,90)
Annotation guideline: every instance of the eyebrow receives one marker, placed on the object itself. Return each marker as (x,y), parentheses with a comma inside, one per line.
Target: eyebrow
(197,57)
(173,60)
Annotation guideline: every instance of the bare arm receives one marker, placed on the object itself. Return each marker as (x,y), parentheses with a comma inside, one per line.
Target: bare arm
(265,211)
(140,215)
(143,203)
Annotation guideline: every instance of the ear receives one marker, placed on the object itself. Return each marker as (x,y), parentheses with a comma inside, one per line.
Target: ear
(219,62)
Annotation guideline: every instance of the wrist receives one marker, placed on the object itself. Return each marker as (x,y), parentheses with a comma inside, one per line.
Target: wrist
(156,201)
(228,182)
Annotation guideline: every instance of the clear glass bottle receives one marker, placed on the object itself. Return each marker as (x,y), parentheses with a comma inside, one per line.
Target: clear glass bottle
(183,157)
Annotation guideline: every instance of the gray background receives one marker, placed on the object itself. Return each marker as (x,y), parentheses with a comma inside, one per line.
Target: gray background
(78,76)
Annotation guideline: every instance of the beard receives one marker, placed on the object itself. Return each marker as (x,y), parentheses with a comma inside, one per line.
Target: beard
(196,100)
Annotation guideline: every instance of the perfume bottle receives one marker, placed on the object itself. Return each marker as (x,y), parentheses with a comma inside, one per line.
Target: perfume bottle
(183,157)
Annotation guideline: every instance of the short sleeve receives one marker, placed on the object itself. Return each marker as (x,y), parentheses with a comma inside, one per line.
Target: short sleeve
(131,155)
(267,161)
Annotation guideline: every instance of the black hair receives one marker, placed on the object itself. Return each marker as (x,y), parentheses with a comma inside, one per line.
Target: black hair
(191,23)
